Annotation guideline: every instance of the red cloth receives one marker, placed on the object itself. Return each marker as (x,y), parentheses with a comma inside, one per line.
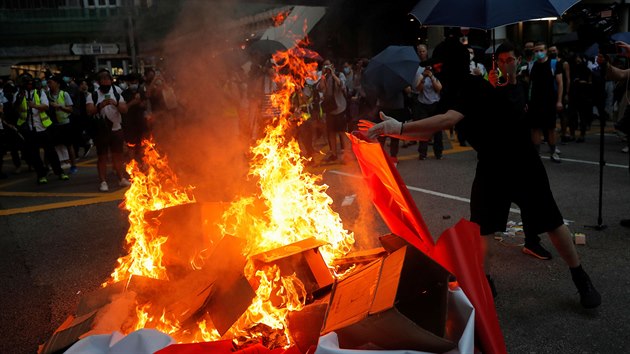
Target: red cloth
(390,196)
(458,249)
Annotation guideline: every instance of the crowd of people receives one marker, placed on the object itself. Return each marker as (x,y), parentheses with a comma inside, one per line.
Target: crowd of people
(66,117)
(565,92)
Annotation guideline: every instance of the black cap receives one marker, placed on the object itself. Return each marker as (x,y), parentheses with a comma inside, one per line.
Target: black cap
(56,78)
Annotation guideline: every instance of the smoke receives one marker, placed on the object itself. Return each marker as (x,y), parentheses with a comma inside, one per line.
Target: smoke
(115,315)
(202,139)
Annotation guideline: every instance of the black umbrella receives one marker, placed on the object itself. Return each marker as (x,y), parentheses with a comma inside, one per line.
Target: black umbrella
(266,47)
(390,71)
(486,14)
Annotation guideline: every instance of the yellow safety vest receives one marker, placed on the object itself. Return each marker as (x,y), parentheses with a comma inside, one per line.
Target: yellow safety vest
(62,117)
(46,121)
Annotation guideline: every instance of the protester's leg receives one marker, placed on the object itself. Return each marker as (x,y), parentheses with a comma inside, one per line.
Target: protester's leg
(423,146)
(101,140)
(552,136)
(438,145)
(50,152)
(15,157)
(561,239)
(537,137)
(393,147)
(116,144)
(31,152)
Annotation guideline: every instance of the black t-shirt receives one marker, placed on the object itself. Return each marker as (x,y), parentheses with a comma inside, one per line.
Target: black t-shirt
(135,114)
(494,119)
(542,80)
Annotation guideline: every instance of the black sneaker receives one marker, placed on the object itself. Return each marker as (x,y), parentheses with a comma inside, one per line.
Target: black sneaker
(537,250)
(589,296)
(625,222)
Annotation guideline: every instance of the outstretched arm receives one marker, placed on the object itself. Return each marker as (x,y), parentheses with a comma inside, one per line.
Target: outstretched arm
(418,130)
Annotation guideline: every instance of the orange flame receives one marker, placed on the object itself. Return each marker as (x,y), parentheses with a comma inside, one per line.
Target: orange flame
(297,206)
(154,189)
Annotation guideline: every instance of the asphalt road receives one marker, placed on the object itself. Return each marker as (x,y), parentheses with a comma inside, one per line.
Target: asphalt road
(62,240)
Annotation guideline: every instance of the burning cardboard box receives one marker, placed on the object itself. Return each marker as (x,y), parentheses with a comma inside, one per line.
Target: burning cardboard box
(191,229)
(302,258)
(399,302)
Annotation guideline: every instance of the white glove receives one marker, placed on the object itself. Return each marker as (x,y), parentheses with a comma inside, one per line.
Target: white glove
(389,126)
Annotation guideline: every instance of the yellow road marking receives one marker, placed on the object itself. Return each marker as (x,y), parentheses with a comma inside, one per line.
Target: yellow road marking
(117,195)
(45,194)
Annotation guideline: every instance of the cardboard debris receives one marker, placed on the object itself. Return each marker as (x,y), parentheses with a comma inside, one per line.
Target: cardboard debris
(361,257)
(68,333)
(460,309)
(391,243)
(144,287)
(400,302)
(579,238)
(190,228)
(302,258)
(219,289)
(305,325)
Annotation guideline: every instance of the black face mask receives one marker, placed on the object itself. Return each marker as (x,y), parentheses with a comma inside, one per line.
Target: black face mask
(528,52)
(553,55)
(105,88)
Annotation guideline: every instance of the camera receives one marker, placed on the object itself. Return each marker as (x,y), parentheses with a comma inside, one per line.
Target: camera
(597,28)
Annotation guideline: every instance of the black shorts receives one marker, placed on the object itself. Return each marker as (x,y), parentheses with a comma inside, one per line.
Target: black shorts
(109,141)
(542,116)
(495,189)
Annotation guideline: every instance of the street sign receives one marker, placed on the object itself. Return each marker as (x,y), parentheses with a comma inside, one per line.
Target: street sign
(94,48)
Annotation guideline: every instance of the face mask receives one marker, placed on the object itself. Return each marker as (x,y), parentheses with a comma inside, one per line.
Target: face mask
(472,56)
(123,86)
(104,88)
(134,87)
(553,55)
(346,71)
(66,79)
(528,52)
(540,55)
(44,82)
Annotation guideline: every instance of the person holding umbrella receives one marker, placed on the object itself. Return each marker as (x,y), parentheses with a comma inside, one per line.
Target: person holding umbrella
(493,119)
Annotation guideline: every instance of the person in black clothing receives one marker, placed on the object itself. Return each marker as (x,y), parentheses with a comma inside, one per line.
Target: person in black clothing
(494,123)
(134,122)
(580,98)
(545,99)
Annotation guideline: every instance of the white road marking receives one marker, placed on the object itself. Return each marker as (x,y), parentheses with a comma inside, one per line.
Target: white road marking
(422,190)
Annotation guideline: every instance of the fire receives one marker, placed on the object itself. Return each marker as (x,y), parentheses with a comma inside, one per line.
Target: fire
(154,189)
(292,206)
(289,290)
(296,203)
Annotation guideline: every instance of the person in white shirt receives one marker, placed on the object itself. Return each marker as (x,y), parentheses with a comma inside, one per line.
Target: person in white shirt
(63,106)
(107,104)
(475,67)
(33,122)
(428,87)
